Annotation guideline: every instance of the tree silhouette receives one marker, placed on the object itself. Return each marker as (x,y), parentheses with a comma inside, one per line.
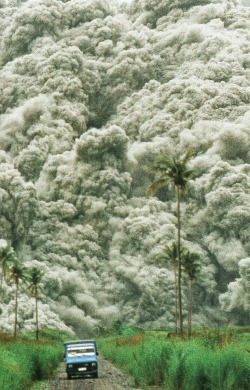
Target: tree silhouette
(174,171)
(17,272)
(34,278)
(191,263)
(169,252)
(7,257)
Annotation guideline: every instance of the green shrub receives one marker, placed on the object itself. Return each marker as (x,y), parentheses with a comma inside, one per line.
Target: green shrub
(44,362)
(187,367)
(12,375)
(230,370)
(24,361)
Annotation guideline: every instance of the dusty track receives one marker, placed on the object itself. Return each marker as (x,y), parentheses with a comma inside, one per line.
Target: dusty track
(110,378)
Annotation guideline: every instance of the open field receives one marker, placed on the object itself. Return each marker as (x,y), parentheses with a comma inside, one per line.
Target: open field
(212,359)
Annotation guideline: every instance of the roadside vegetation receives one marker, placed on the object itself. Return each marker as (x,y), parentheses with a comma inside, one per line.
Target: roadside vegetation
(14,271)
(26,360)
(212,359)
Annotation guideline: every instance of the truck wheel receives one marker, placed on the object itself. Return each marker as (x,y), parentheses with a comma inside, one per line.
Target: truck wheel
(69,376)
(96,375)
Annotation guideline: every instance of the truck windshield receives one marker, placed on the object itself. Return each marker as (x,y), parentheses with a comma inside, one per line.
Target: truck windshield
(80,350)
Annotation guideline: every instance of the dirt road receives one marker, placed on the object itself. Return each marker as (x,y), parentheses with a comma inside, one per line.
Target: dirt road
(110,378)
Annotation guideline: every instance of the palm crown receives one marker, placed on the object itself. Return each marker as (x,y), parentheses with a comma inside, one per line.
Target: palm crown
(170,170)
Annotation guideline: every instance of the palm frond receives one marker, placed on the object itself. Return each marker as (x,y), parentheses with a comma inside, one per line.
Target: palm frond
(34,279)
(187,156)
(155,186)
(192,263)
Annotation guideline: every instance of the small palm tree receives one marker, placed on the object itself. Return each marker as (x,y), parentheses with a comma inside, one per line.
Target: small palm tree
(191,263)
(17,271)
(7,257)
(34,278)
(173,171)
(169,252)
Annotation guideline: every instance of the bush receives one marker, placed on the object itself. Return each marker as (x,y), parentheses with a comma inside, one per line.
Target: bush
(230,370)
(12,375)
(25,361)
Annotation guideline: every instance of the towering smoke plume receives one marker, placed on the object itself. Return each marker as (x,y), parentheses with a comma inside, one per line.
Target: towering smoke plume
(91,92)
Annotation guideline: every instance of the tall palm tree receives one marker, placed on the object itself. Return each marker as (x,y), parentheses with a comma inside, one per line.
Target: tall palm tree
(173,171)
(191,263)
(169,252)
(17,272)
(34,278)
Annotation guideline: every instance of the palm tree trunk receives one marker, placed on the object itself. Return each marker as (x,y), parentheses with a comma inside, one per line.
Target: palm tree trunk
(179,258)
(176,299)
(16,304)
(36,316)
(189,306)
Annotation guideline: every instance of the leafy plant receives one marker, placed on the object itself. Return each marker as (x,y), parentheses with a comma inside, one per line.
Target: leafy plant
(24,361)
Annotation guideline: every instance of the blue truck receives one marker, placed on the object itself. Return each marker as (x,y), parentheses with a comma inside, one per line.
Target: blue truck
(81,358)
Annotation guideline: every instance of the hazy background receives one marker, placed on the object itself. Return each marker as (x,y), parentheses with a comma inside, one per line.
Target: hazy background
(90,93)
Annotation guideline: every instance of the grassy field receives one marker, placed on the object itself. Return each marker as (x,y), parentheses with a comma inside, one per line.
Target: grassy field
(25,360)
(210,360)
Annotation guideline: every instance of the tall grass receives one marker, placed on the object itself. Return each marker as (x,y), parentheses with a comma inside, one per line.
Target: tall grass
(195,367)
(24,361)
(181,364)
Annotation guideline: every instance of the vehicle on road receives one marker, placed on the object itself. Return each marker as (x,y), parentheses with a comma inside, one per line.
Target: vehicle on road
(81,358)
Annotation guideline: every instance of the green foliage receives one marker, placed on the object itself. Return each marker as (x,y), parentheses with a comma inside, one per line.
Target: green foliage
(124,330)
(7,257)
(130,330)
(172,170)
(182,364)
(25,361)
(117,327)
(191,263)
(54,335)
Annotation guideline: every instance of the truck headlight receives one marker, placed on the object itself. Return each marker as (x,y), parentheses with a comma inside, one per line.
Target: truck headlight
(93,364)
(70,365)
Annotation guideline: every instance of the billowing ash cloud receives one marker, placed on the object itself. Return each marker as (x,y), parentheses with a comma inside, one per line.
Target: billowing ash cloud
(91,91)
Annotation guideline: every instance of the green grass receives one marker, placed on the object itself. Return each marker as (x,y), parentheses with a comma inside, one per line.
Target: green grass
(213,360)
(24,361)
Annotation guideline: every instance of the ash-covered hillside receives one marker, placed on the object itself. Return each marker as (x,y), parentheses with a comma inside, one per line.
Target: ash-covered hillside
(91,92)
